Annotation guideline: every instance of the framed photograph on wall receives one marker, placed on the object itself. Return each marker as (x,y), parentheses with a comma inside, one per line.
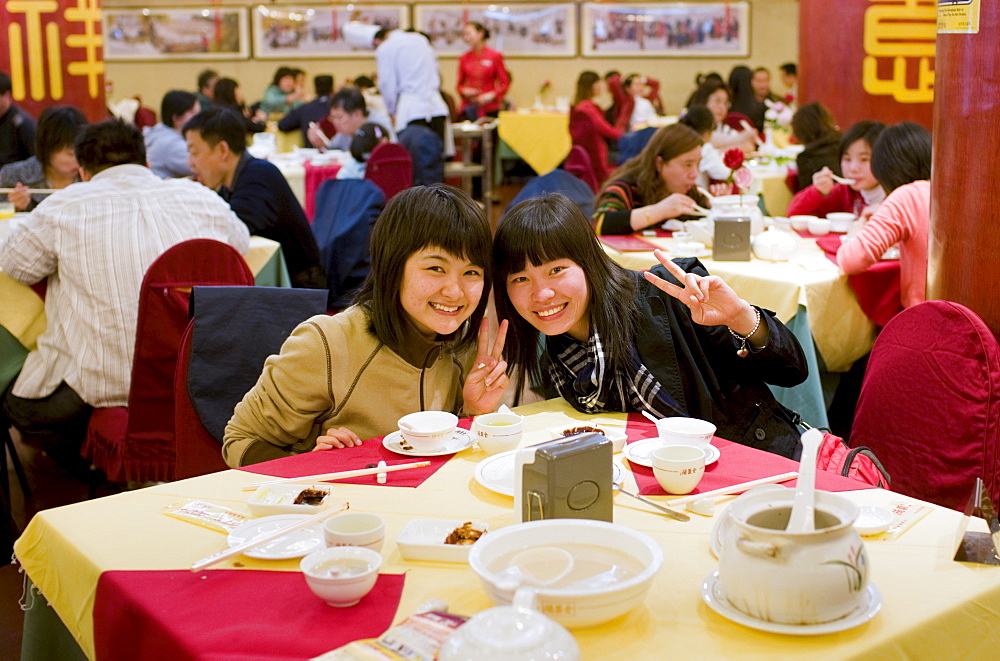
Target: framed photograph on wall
(516,30)
(191,33)
(318,31)
(666,29)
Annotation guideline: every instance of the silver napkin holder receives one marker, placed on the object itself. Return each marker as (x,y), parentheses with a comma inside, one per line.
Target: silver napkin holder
(979,547)
(732,239)
(568,478)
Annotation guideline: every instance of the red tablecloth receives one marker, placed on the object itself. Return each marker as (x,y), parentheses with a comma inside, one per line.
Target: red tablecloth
(229,614)
(370,452)
(877,288)
(316,175)
(737,463)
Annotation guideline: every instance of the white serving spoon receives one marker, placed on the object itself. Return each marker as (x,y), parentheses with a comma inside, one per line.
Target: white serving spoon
(804,505)
(537,567)
(843,180)
(652,418)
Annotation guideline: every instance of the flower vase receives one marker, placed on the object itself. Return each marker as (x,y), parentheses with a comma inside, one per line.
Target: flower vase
(538,105)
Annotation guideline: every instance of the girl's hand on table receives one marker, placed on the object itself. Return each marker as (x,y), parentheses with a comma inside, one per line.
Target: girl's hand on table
(712,302)
(337,438)
(677,204)
(20,197)
(823,181)
(488,379)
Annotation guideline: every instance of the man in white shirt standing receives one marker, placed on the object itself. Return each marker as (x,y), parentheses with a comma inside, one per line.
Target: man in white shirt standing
(94,241)
(409,81)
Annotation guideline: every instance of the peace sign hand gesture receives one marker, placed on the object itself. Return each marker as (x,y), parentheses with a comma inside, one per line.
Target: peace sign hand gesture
(488,379)
(712,302)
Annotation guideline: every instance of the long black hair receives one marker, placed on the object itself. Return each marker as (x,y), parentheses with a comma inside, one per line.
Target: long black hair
(543,229)
(438,216)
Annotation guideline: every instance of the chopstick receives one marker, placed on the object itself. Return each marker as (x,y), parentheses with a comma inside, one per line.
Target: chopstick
(843,180)
(208,561)
(31,190)
(705,193)
(323,477)
(736,488)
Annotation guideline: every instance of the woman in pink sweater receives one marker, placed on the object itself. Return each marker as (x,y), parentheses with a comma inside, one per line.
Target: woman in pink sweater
(901,161)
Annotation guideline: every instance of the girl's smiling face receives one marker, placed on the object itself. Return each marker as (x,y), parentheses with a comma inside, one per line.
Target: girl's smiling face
(439,290)
(553,297)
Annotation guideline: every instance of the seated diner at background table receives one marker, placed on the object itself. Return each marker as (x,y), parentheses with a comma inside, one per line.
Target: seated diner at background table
(255,189)
(825,195)
(712,171)
(283,94)
(901,161)
(656,185)
(166,150)
(674,341)
(814,127)
(636,100)
(714,95)
(414,340)
(54,164)
(229,95)
(744,98)
(587,126)
(93,242)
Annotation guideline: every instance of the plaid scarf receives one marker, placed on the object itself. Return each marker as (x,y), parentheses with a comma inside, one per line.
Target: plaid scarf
(580,374)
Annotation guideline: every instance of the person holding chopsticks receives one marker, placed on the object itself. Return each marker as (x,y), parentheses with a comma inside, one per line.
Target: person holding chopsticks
(54,164)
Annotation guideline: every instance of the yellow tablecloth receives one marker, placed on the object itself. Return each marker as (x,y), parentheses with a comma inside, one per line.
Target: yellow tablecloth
(541,137)
(933,607)
(840,329)
(772,187)
(22,312)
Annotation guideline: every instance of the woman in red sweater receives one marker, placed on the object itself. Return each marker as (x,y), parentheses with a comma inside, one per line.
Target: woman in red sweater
(587,126)
(826,196)
(482,77)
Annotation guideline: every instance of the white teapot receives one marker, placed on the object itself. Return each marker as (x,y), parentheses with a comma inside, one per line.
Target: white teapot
(774,245)
(739,206)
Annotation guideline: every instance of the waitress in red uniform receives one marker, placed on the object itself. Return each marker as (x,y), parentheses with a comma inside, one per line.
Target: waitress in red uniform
(482,77)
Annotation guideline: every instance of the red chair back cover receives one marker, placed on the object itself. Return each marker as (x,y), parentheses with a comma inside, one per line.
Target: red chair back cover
(734,120)
(578,164)
(390,167)
(146,450)
(197,451)
(930,403)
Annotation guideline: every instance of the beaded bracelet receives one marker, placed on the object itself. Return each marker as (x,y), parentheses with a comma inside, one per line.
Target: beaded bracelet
(744,350)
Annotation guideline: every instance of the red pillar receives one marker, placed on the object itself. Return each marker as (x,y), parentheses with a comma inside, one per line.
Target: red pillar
(964,250)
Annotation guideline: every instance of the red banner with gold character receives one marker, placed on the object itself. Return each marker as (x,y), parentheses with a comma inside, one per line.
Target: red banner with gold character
(52,51)
(869,59)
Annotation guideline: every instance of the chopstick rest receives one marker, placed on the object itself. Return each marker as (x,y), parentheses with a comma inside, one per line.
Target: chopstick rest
(208,561)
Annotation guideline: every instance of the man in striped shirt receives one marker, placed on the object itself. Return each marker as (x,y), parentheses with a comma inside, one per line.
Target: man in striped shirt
(93,241)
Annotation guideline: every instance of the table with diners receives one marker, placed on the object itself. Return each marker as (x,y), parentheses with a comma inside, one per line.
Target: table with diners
(115,570)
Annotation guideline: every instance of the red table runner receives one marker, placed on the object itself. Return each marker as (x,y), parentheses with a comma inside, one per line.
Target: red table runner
(229,614)
(737,463)
(345,459)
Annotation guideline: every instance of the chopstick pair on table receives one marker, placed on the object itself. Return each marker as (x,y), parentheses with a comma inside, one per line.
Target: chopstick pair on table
(341,475)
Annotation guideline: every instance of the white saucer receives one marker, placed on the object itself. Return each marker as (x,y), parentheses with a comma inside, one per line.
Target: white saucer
(641,452)
(461,439)
(711,593)
(297,544)
(496,473)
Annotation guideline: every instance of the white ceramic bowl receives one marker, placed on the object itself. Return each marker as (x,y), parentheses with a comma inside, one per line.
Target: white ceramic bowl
(428,431)
(616,436)
(679,468)
(348,588)
(800,223)
(355,529)
(819,226)
(840,221)
(685,431)
(571,607)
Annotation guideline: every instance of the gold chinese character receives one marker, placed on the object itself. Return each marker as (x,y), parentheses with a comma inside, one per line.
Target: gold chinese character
(87,12)
(900,30)
(32,10)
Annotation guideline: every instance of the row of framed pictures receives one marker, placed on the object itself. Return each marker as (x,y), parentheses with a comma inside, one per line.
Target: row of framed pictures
(661,29)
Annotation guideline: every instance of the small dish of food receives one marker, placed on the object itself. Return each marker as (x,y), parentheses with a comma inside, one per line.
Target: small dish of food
(440,540)
(289,499)
(616,435)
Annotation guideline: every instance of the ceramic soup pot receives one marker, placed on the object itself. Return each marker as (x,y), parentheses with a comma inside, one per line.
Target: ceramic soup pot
(793,578)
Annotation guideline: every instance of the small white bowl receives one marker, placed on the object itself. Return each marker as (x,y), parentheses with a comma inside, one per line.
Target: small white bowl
(428,431)
(423,539)
(840,221)
(616,436)
(679,430)
(800,223)
(819,226)
(355,529)
(360,571)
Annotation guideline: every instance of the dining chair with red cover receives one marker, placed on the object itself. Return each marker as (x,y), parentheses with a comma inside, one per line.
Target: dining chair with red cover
(930,403)
(136,443)
(220,361)
(578,164)
(390,167)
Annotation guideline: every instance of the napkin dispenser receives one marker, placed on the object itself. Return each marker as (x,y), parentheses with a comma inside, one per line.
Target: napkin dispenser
(732,240)
(568,478)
